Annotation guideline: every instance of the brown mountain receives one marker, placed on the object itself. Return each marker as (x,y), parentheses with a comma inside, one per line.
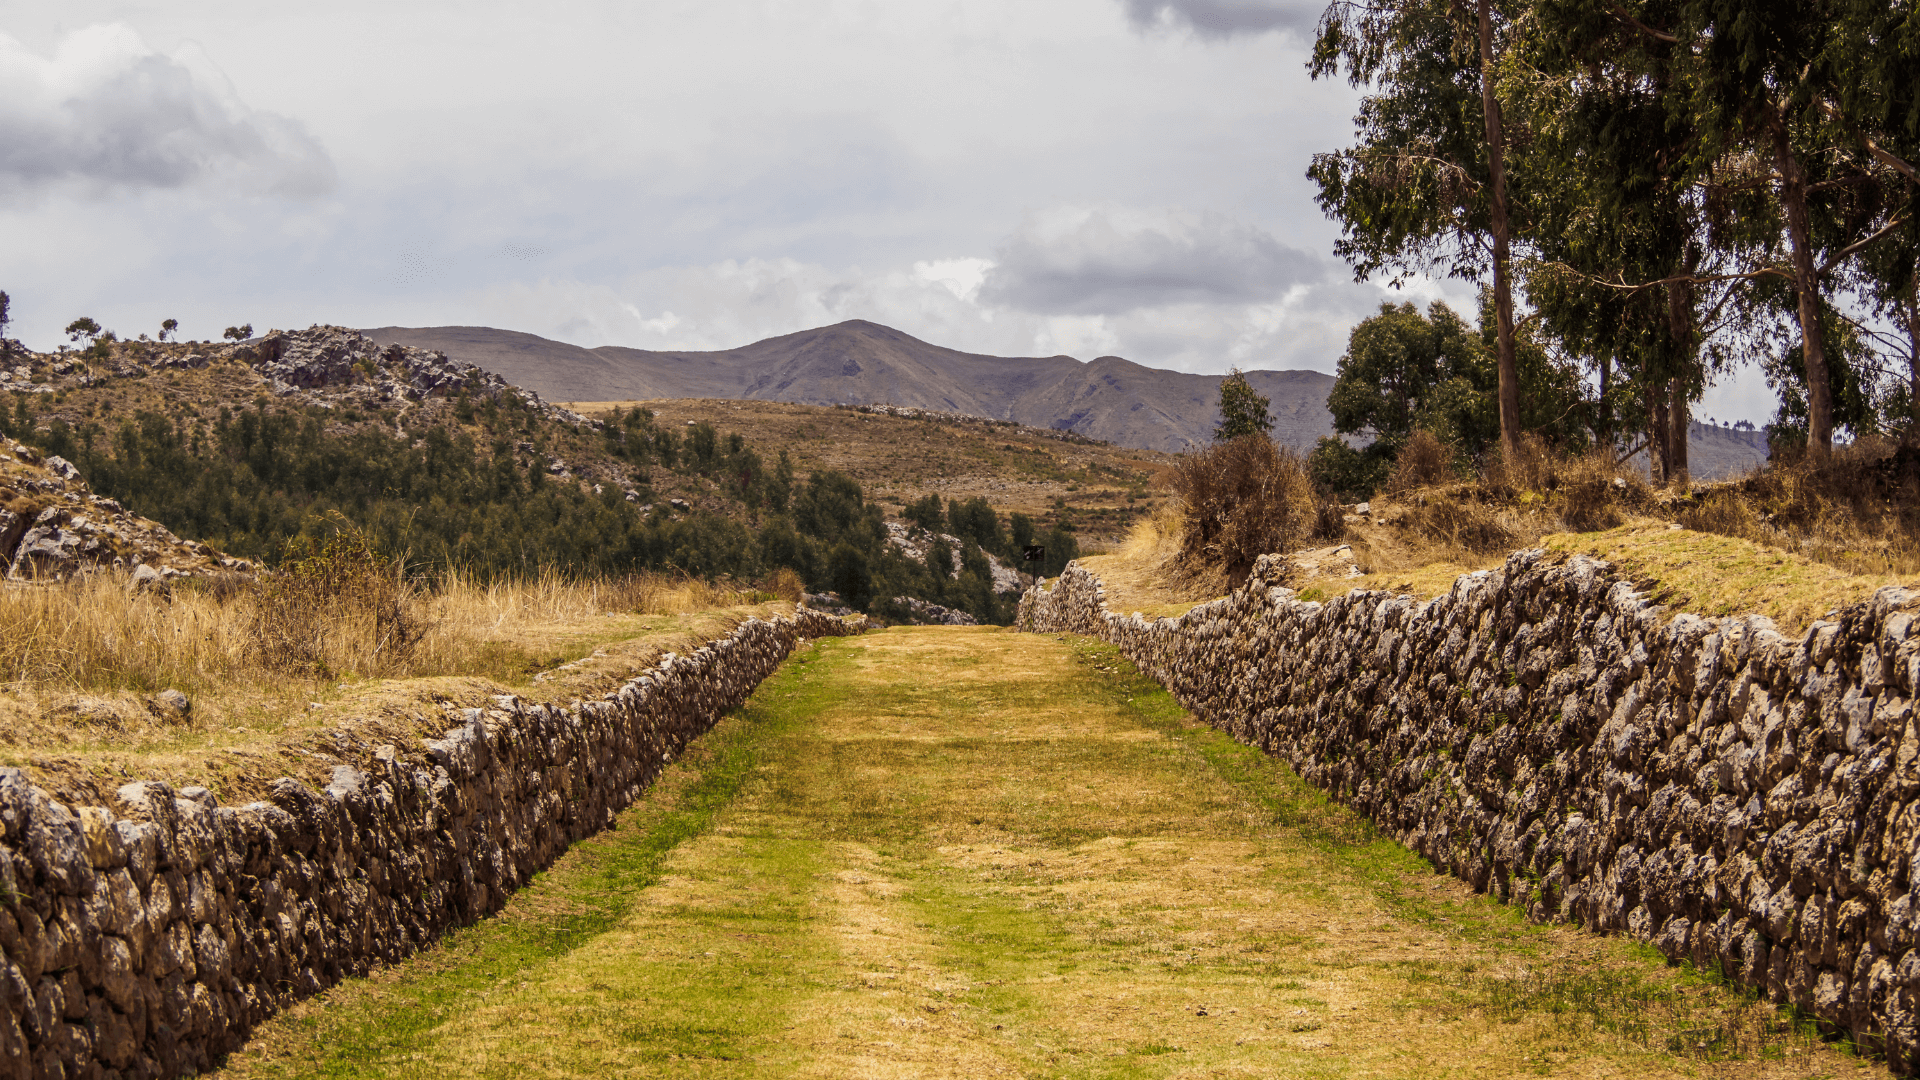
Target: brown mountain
(860,362)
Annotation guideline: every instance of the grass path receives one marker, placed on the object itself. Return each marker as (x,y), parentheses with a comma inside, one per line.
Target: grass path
(945,852)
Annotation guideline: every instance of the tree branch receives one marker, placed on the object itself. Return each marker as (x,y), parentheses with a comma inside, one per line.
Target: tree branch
(1842,255)
(1657,35)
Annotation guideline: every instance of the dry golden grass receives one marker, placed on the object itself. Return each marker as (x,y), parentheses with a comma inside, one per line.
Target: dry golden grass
(1706,574)
(1420,541)
(82,661)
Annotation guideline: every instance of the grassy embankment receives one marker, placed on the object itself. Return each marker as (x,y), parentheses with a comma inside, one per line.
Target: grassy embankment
(290,685)
(957,852)
(1709,552)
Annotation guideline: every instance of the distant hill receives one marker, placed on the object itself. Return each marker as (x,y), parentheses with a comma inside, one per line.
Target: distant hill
(860,362)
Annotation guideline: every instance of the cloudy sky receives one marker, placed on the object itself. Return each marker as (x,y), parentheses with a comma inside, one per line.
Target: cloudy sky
(1081,176)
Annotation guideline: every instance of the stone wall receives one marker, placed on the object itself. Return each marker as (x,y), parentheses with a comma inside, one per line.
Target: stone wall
(1745,800)
(146,939)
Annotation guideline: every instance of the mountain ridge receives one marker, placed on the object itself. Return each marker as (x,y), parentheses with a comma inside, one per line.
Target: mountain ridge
(860,362)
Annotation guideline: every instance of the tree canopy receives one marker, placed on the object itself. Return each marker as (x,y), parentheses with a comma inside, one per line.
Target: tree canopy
(1663,188)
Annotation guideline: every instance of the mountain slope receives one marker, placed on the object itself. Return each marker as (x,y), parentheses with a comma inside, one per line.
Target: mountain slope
(858,362)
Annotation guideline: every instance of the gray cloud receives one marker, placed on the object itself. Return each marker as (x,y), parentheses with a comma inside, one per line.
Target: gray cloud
(1110,261)
(1226,18)
(107,110)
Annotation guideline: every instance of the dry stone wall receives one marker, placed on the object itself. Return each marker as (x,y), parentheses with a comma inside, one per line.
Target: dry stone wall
(147,938)
(1737,798)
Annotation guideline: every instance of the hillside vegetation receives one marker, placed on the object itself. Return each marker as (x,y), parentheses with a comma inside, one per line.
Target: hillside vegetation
(1792,541)
(273,442)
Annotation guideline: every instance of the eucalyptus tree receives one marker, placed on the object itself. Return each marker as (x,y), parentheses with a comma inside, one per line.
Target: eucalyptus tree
(1426,188)
(1623,266)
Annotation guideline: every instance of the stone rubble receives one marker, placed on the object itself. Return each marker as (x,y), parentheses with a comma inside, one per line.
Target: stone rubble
(146,939)
(1733,797)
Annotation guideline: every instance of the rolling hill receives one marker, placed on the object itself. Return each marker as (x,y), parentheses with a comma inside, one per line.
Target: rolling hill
(859,362)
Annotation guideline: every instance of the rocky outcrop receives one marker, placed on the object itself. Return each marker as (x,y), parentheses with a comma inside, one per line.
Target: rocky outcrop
(923,613)
(1741,799)
(333,362)
(52,527)
(145,939)
(913,541)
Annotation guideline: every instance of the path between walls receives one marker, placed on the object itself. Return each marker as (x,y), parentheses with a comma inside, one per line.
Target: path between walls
(1737,798)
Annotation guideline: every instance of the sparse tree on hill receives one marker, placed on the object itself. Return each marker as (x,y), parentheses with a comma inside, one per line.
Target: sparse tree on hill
(82,327)
(5,315)
(1242,412)
(168,327)
(238,333)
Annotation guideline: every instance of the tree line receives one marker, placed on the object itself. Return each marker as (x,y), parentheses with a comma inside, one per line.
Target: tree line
(1650,192)
(260,482)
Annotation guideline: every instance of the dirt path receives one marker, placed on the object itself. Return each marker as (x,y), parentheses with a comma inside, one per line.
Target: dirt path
(943,852)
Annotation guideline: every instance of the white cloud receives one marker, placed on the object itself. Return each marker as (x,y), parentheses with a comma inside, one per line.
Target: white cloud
(1226,18)
(962,277)
(1112,259)
(106,110)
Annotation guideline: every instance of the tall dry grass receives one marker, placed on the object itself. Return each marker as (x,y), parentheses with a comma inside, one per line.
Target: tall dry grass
(1860,512)
(92,633)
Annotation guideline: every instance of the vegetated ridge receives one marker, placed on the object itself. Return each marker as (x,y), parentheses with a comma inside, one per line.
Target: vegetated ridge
(253,445)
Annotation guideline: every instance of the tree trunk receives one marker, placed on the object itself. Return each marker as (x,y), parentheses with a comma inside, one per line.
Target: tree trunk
(1680,339)
(1806,284)
(1658,432)
(1502,281)
(1603,414)
(1677,435)
(1913,358)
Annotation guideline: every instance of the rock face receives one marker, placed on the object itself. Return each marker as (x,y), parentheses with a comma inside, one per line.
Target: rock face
(147,939)
(1733,797)
(65,529)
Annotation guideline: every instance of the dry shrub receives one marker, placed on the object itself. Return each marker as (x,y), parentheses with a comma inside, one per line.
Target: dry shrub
(1595,491)
(1465,523)
(1244,498)
(339,605)
(1859,512)
(1330,522)
(786,584)
(1424,461)
(1532,466)
(1725,513)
